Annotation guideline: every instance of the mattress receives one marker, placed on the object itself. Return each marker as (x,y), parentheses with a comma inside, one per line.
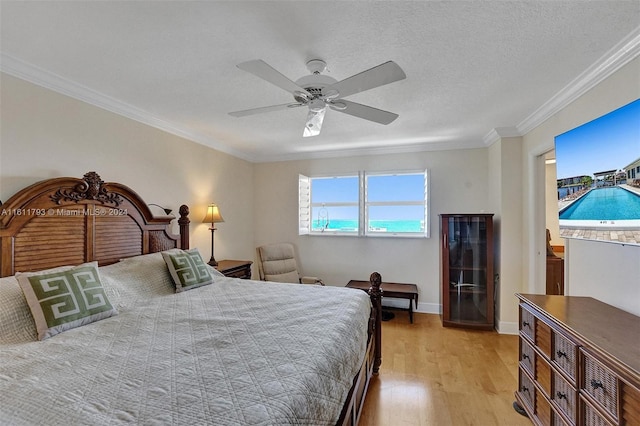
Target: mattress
(231,353)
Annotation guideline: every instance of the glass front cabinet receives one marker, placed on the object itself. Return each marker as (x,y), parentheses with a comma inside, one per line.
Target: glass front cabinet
(466,263)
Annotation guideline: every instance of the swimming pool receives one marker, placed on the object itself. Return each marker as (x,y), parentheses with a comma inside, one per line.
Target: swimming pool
(603,206)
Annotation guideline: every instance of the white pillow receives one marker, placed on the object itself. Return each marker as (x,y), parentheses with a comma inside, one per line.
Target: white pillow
(187,269)
(60,300)
(137,278)
(16,321)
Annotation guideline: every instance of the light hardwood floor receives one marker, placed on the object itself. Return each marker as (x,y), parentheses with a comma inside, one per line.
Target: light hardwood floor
(431,375)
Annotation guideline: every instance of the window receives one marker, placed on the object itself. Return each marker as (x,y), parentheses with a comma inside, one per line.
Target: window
(376,204)
(395,204)
(330,205)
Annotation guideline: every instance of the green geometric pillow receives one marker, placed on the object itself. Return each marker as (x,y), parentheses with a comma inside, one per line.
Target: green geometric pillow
(65,298)
(187,269)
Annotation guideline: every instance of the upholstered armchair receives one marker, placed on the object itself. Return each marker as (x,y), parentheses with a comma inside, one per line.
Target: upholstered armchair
(277,262)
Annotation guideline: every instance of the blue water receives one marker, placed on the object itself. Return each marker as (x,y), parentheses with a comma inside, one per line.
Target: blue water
(604,204)
(377,225)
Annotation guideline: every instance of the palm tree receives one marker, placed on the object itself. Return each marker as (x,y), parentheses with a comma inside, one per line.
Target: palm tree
(586,181)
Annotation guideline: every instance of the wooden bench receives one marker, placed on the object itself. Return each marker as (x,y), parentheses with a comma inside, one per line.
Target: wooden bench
(393,290)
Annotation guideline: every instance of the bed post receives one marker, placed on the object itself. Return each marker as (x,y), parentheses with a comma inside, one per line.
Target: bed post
(184,226)
(375,293)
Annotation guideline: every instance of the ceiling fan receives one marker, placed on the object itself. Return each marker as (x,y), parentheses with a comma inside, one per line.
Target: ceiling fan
(317,92)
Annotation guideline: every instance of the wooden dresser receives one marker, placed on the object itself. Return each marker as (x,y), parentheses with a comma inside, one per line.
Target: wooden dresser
(579,362)
(235,268)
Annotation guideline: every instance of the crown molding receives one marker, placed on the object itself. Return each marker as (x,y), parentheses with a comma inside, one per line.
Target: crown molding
(372,151)
(498,133)
(56,83)
(621,54)
(617,57)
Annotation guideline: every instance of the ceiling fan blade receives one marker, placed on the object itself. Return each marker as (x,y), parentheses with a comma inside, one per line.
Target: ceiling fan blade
(314,123)
(260,110)
(366,112)
(377,76)
(261,69)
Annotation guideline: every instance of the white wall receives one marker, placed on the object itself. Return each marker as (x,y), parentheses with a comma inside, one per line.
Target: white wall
(606,271)
(459,184)
(617,279)
(506,192)
(44,134)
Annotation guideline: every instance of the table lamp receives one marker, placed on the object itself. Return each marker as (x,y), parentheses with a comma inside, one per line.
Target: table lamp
(213,216)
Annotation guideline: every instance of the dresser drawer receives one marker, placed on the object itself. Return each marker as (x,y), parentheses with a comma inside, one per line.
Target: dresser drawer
(558,421)
(565,355)
(591,416)
(586,362)
(527,356)
(527,323)
(526,390)
(600,384)
(565,396)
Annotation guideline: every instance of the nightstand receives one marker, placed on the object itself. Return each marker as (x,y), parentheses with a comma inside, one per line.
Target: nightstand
(235,268)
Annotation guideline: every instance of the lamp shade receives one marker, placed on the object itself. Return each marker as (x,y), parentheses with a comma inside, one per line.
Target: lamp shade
(213,215)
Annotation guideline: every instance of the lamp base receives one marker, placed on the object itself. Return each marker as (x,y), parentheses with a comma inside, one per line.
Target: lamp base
(212,262)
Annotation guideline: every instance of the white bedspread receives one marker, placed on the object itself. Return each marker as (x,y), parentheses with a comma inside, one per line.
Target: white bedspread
(235,352)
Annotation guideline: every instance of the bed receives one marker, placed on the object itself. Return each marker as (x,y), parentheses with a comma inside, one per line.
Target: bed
(161,351)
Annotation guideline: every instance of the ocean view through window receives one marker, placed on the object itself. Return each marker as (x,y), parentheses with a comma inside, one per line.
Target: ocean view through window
(365,204)
(395,203)
(335,203)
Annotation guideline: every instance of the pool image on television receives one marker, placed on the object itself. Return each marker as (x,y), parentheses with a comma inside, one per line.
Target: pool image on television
(598,172)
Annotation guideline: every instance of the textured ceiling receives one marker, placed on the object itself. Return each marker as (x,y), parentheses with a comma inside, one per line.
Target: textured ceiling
(471,66)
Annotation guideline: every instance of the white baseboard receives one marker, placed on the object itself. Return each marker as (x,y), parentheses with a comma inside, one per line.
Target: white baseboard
(429,308)
(505,327)
(502,327)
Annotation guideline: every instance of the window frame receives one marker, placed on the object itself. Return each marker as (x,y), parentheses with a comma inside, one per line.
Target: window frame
(424,202)
(338,204)
(305,205)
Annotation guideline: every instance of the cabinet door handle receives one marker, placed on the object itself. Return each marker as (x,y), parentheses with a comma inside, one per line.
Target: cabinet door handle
(561,395)
(596,384)
(562,354)
(524,389)
(525,324)
(525,356)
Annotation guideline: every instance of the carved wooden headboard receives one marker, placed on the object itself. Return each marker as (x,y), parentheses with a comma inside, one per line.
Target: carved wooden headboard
(68,221)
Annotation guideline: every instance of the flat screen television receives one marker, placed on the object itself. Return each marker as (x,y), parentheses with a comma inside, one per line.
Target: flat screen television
(598,172)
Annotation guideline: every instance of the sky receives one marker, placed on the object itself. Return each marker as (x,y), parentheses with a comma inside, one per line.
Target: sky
(606,143)
(380,188)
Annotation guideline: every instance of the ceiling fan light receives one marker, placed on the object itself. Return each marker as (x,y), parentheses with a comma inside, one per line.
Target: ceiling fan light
(317,105)
(317,91)
(314,123)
